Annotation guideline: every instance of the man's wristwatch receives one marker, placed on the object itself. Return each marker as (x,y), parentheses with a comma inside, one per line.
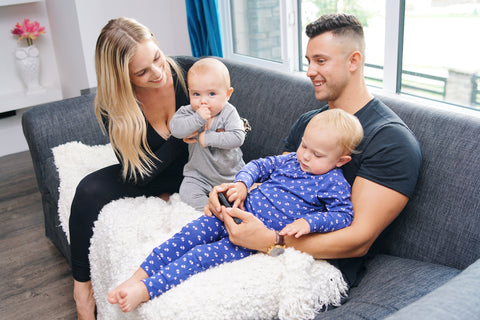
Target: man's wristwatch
(279,247)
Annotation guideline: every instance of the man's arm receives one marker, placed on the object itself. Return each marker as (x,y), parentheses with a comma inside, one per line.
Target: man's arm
(374,206)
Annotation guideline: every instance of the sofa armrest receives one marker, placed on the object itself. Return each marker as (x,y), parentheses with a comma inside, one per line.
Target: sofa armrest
(49,125)
(459,298)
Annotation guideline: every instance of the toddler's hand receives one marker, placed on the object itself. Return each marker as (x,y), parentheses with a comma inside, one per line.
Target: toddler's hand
(297,228)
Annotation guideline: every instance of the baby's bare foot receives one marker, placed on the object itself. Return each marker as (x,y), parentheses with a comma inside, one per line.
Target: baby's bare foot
(129,297)
(113,294)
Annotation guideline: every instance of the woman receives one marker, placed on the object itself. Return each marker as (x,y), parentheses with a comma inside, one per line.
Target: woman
(139,90)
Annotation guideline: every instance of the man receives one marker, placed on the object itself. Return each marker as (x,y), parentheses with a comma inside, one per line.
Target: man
(383,172)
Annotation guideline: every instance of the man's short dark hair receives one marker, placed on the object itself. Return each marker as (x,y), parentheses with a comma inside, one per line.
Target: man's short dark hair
(338,23)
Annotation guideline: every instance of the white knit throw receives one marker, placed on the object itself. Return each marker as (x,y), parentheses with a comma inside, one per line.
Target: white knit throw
(291,286)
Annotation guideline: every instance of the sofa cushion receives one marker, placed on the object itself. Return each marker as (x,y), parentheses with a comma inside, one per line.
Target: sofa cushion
(459,298)
(440,223)
(390,284)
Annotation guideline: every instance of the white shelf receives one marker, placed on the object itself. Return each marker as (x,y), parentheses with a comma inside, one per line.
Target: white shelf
(14,2)
(13,95)
(20,100)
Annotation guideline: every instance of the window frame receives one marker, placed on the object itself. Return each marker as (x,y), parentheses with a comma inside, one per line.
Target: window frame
(393,50)
(291,50)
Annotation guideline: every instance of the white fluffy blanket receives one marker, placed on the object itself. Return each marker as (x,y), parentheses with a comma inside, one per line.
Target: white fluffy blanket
(292,286)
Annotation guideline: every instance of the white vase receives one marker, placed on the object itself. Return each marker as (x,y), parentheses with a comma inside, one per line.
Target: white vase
(28,65)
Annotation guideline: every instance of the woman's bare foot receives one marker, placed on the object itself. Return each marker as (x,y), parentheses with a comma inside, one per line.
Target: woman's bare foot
(130,293)
(84,300)
(164,196)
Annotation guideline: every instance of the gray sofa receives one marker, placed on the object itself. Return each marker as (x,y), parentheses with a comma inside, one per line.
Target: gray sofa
(429,265)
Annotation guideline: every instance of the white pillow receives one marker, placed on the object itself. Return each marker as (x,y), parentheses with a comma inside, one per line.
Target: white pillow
(74,160)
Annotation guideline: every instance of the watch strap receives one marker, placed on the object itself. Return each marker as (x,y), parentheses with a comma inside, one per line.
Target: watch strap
(278,247)
(280,239)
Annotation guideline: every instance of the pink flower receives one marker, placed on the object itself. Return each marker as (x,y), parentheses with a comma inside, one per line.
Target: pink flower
(28,30)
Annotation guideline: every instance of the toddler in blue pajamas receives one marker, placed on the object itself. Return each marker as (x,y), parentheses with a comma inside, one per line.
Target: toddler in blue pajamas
(300,193)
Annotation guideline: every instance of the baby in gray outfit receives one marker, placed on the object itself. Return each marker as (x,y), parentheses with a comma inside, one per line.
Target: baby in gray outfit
(213,129)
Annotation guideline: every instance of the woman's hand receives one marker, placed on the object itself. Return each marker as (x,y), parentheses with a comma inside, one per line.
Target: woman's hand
(191,138)
(251,233)
(201,138)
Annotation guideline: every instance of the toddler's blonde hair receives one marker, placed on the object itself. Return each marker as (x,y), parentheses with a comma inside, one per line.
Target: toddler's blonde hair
(347,126)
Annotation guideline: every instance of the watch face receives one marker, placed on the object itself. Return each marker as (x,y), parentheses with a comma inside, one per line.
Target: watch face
(275,252)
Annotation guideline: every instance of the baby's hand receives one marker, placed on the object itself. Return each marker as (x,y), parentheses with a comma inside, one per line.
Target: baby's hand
(297,228)
(204,112)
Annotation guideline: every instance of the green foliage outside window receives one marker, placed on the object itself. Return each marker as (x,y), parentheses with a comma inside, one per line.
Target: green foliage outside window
(330,6)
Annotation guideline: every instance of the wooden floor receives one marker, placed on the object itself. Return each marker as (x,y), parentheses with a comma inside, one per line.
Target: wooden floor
(35,279)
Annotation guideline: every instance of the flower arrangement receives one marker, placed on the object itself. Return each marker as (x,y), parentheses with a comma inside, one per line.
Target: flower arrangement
(28,31)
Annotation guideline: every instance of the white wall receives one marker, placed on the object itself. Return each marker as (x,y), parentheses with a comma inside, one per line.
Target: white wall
(65,31)
(77,23)
(72,28)
(167,19)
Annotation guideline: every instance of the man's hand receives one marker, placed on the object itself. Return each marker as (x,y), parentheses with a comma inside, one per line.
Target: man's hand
(251,233)
(234,192)
(213,207)
(297,228)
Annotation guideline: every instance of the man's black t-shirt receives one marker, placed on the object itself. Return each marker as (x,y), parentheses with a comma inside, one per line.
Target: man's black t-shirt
(389,155)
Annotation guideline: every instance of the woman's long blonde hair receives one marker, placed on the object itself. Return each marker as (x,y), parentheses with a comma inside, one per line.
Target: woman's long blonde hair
(115,98)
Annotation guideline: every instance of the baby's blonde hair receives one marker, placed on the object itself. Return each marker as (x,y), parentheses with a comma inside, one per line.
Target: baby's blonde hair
(115,98)
(347,126)
(205,65)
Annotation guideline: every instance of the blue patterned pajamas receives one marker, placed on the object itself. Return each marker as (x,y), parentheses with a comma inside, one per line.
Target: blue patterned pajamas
(200,245)
(285,195)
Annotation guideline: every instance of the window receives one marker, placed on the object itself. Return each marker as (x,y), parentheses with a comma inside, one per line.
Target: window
(440,51)
(260,32)
(371,14)
(425,48)
(256,29)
